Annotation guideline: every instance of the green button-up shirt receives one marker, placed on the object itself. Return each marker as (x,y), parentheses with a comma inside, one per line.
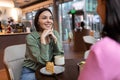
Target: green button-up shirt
(36,52)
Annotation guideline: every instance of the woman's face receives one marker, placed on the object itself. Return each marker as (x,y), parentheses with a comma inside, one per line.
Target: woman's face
(101,10)
(46,20)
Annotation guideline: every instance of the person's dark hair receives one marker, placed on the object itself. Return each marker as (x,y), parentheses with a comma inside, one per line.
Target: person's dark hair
(0,25)
(9,22)
(37,18)
(112,22)
(82,24)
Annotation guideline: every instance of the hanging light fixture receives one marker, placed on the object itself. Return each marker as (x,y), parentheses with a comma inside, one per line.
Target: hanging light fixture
(6,3)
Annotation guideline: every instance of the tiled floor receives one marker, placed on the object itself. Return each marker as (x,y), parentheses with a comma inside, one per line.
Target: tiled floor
(69,54)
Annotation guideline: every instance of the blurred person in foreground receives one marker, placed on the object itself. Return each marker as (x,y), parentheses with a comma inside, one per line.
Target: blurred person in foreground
(42,45)
(104,59)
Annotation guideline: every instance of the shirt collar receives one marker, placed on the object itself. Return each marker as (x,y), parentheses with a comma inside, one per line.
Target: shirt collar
(36,34)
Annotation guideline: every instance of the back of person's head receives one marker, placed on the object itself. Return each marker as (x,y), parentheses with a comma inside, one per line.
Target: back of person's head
(37,26)
(112,22)
(82,24)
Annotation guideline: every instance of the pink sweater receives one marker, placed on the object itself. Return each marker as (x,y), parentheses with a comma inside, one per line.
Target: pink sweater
(103,62)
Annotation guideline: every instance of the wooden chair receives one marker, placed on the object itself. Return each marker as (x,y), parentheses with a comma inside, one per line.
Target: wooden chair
(13,59)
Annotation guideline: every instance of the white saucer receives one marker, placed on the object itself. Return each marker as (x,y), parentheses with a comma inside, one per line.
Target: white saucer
(58,70)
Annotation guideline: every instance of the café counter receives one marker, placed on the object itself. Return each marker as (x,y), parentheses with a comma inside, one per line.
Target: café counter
(8,39)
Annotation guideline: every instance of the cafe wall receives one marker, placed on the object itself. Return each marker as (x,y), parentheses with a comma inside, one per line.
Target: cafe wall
(7,12)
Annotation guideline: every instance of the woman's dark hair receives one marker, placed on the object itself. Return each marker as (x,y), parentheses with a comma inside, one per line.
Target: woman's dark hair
(112,22)
(37,26)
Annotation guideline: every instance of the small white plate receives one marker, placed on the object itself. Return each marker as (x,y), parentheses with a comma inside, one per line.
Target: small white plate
(58,70)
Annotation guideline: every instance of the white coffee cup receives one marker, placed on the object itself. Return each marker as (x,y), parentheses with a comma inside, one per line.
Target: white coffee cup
(59,60)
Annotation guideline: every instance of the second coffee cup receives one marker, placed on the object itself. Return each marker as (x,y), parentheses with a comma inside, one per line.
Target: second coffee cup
(59,60)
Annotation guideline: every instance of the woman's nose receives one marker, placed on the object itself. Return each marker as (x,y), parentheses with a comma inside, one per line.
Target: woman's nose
(48,19)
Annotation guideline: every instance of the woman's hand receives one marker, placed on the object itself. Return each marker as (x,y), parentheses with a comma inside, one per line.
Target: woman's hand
(53,36)
(46,34)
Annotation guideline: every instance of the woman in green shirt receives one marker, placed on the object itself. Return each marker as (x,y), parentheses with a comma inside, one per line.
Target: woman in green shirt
(41,45)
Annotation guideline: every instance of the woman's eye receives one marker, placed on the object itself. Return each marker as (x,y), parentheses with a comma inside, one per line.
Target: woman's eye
(44,17)
(47,18)
(51,18)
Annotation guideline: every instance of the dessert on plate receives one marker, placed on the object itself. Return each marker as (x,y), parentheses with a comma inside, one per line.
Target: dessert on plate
(50,67)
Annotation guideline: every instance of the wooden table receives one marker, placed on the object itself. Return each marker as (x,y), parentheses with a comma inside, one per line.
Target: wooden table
(71,71)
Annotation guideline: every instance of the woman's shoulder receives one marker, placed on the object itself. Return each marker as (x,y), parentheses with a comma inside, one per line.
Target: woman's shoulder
(55,32)
(106,44)
(34,34)
(107,40)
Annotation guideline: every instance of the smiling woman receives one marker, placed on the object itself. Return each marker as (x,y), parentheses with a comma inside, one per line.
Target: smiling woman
(41,45)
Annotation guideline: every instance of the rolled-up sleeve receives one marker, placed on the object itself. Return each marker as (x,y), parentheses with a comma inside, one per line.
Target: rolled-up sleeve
(58,48)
